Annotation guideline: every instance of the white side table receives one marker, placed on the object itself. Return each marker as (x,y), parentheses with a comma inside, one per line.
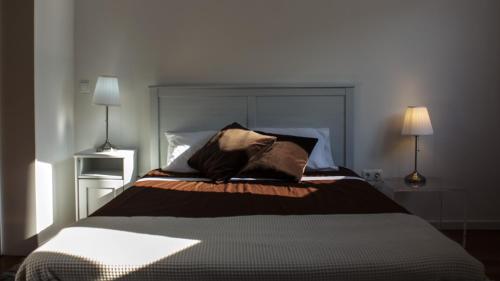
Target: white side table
(100,177)
(394,186)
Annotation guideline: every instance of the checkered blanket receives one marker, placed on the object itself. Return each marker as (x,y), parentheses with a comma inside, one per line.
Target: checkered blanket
(371,247)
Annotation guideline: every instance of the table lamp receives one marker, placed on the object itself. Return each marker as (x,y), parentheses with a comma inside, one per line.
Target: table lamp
(106,93)
(416,123)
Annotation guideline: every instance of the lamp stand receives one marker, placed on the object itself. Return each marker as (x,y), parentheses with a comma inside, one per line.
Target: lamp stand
(415,179)
(106,146)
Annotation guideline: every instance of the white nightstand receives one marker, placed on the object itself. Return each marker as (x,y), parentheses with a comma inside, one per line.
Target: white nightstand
(100,177)
(394,186)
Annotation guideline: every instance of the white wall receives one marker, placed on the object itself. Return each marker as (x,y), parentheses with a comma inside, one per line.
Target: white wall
(37,123)
(443,54)
(54,102)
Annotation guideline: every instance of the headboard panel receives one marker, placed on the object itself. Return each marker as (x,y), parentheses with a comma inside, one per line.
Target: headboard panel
(211,107)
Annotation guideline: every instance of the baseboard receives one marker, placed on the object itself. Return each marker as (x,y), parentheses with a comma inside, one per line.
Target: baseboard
(471,224)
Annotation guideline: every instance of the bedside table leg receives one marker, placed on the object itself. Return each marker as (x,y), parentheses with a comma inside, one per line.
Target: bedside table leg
(464,237)
(441,203)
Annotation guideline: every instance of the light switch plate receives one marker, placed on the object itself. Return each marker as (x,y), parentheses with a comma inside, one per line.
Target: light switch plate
(84,87)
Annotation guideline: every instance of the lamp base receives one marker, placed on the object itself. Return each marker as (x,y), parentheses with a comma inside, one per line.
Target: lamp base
(107,146)
(415,179)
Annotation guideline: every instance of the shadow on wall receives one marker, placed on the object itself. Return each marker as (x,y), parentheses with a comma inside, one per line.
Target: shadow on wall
(392,140)
(18,138)
(394,145)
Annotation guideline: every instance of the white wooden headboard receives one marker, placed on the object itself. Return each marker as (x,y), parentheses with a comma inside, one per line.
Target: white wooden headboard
(184,108)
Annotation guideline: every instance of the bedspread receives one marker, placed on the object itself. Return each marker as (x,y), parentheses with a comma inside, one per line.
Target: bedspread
(340,247)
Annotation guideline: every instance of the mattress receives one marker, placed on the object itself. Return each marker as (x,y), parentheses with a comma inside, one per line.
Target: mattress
(336,227)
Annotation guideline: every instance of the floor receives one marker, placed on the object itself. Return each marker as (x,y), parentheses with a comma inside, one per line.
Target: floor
(7,262)
(482,244)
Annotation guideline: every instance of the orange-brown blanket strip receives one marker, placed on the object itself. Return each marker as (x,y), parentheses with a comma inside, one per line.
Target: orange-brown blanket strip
(207,199)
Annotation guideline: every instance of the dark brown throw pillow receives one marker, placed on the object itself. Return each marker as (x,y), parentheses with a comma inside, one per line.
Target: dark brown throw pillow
(228,151)
(285,159)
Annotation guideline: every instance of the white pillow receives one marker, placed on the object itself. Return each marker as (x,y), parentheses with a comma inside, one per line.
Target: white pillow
(321,156)
(181,146)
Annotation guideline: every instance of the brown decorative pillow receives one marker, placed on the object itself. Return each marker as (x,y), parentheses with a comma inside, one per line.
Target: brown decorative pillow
(228,151)
(286,159)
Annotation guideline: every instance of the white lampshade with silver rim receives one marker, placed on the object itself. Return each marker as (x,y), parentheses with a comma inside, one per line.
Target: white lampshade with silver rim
(107,91)
(417,122)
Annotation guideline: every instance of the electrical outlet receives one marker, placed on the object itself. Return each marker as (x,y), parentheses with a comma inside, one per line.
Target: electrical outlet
(372,174)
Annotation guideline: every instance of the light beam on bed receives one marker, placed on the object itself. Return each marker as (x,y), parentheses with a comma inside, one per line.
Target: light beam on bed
(105,246)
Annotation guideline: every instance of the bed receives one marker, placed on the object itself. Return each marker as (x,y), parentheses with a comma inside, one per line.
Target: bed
(175,226)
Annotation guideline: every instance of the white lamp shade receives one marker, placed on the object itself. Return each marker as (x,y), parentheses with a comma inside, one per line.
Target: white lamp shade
(417,122)
(106,91)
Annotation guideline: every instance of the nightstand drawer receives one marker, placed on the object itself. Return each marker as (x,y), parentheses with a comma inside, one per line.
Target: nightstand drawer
(93,194)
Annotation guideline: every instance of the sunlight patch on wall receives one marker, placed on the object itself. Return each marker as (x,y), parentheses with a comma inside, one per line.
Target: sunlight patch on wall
(44,196)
